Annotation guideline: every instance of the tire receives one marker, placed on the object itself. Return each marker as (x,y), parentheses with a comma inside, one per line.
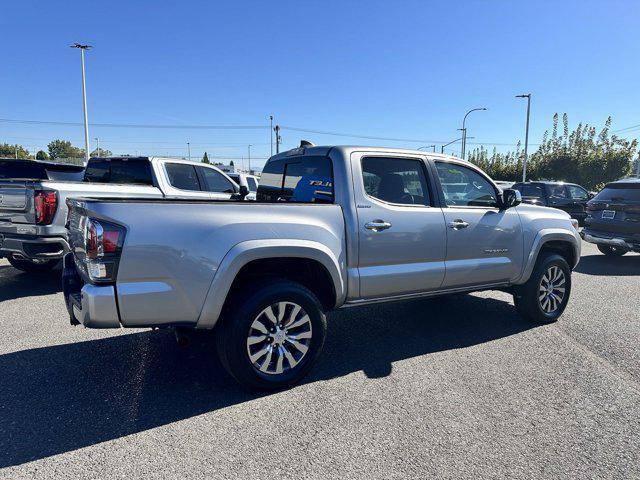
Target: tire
(249,317)
(610,251)
(32,267)
(538,305)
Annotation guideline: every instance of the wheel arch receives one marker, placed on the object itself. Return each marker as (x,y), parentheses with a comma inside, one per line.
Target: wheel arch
(559,241)
(275,259)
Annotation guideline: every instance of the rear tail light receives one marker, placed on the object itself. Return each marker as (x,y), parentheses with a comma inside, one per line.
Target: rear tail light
(46,203)
(102,247)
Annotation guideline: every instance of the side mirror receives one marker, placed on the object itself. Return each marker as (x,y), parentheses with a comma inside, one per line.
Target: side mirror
(511,198)
(591,195)
(243,192)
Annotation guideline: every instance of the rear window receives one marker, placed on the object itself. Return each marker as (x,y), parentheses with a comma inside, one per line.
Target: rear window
(297,180)
(626,192)
(119,170)
(532,191)
(22,169)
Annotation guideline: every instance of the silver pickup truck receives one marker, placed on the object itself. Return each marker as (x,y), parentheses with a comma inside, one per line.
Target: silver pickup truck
(333,227)
(33,198)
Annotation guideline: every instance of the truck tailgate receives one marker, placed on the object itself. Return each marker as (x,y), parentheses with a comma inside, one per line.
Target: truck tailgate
(16,201)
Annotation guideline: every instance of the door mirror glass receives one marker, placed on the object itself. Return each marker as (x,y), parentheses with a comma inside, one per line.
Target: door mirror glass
(511,198)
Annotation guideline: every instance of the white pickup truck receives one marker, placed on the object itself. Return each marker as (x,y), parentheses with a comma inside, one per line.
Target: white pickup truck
(332,227)
(33,198)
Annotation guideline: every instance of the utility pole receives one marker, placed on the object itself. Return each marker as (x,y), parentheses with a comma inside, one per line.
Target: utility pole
(278,139)
(464,130)
(189,150)
(526,135)
(271,130)
(16,151)
(84,100)
(249,158)
(97,146)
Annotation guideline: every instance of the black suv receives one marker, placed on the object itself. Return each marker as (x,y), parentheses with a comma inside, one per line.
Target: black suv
(613,218)
(569,197)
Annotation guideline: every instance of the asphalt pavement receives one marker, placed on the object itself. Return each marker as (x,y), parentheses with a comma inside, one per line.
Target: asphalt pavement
(457,387)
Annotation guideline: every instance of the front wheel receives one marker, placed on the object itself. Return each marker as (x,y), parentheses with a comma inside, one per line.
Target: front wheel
(611,251)
(35,266)
(271,339)
(543,298)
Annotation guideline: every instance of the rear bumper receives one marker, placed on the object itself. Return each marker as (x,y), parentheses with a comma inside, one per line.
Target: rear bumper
(31,247)
(90,305)
(612,240)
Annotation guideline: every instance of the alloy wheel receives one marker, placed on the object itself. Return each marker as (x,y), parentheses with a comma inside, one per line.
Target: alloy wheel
(552,289)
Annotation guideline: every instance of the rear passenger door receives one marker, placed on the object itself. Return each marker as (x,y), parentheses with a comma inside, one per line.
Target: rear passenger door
(401,232)
(484,242)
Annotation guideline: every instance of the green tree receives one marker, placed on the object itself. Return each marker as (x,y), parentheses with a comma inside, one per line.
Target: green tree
(205,158)
(100,152)
(581,156)
(42,155)
(64,149)
(13,151)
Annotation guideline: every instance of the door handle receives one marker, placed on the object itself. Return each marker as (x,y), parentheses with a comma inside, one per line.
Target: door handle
(377,225)
(458,223)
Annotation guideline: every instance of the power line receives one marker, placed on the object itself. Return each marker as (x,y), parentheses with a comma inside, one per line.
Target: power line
(136,125)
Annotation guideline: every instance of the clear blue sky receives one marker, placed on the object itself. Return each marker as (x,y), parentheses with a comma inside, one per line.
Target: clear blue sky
(393,69)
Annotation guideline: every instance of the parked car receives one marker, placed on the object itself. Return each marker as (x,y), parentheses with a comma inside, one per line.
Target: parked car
(569,197)
(378,224)
(613,218)
(33,208)
(249,181)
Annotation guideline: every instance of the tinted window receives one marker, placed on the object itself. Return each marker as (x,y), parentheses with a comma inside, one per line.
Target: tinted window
(531,191)
(270,188)
(253,186)
(395,180)
(215,181)
(22,169)
(297,179)
(557,191)
(183,176)
(625,192)
(235,178)
(465,187)
(119,170)
(577,193)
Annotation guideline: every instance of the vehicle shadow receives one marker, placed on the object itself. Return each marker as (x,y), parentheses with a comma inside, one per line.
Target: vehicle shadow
(601,265)
(16,284)
(64,397)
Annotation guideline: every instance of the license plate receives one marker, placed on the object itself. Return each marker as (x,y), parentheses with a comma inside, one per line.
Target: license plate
(608,214)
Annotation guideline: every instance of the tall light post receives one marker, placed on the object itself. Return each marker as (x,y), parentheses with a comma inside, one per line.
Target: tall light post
(526,135)
(249,157)
(97,146)
(84,100)
(271,129)
(464,130)
(452,141)
(428,146)
(189,150)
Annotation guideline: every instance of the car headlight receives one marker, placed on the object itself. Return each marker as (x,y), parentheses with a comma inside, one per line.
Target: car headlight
(574,224)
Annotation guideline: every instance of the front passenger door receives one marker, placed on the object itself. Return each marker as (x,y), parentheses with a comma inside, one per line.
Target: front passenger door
(484,242)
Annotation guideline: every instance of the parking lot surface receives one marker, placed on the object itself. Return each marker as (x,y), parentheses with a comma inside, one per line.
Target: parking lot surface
(457,387)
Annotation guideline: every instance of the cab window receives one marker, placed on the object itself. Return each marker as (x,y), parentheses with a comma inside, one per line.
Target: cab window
(577,193)
(395,180)
(214,181)
(183,176)
(297,180)
(464,187)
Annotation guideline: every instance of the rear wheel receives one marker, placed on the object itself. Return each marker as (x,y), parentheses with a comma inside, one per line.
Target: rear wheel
(32,266)
(611,251)
(543,298)
(271,339)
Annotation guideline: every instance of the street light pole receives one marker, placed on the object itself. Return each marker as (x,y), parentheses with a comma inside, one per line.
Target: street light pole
(526,136)
(84,100)
(189,150)
(428,146)
(271,129)
(249,158)
(452,141)
(97,146)
(278,139)
(464,130)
